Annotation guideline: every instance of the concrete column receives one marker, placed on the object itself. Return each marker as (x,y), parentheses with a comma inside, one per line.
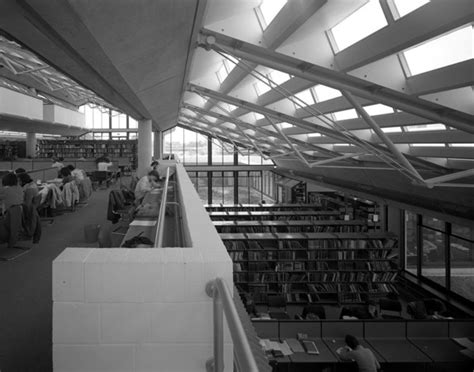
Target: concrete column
(158,145)
(31,145)
(145,150)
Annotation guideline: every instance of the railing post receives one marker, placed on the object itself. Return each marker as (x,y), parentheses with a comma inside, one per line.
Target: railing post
(216,364)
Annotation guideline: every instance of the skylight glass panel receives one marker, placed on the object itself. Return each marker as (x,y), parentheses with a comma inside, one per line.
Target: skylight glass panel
(346,114)
(314,135)
(378,109)
(258,116)
(461,145)
(427,145)
(392,130)
(222,73)
(286,125)
(363,22)
(279,77)
(324,93)
(261,87)
(425,127)
(305,96)
(270,8)
(407,6)
(446,50)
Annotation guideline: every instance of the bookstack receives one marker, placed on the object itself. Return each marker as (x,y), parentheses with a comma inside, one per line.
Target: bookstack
(308,260)
(89,149)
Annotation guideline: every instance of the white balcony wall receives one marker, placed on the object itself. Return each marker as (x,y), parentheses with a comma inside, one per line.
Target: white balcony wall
(141,309)
(15,103)
(62,115)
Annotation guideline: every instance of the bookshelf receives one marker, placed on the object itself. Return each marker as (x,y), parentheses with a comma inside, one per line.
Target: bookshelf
(291,226)
(342,268)
(262,207)
(89,149)
(11,150)
(273,215)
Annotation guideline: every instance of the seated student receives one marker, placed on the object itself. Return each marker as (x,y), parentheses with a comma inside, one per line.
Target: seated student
(103,163)
(20,170)
(146,184)
(57,163)
(365,358)
(78,174)
(30,188)
(65,174)
(11,193)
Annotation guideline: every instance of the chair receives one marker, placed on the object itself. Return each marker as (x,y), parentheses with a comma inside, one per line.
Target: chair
(417,310)
(277,302)
(393,306)
(310,310)
(434,306)
(98,178)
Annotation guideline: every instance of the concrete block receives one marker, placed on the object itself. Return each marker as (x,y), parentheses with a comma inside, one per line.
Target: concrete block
(178,357)
(75,323)
(68,274)
(93,358)
(125,323)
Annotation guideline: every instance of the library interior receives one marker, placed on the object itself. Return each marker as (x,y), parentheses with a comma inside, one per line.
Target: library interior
(238,185)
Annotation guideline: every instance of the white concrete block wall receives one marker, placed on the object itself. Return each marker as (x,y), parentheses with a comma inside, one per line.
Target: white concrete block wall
(140,309)
(15,103)
(62,115)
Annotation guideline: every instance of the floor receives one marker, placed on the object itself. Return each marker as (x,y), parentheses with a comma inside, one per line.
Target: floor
(25,289)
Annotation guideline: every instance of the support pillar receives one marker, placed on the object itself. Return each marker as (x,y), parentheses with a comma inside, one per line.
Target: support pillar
(30,145)
(145,150)
(158,145)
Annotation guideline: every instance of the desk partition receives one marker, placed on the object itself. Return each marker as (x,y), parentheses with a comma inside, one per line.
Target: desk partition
(291,328)
(461,328)
(384,329)
(427,329)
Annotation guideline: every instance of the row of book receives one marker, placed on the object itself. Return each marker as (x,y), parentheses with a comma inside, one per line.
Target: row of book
(293,229)
(312,245)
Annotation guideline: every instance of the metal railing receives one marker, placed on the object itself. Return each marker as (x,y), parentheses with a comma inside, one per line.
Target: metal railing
(223,303)
(161,213)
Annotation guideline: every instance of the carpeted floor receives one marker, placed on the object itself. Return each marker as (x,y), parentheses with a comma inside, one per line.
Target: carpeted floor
(25,289)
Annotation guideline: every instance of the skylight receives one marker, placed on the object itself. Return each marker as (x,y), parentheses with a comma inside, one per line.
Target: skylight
(407,6)
(357,26)
(346,114)
(378,109)
(261,87)
(314,135)
(305,96)
(425,127)
(461,145)
(278,77)
(222,73)
(270,8)
(443,51)
(286,125)
(428,145)
(258,116)
(392,130)
(324,93)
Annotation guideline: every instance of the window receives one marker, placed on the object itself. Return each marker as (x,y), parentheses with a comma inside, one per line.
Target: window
(356,26)
(443,51)
(392,130)
(324,93)
(269,10)
(306,96)
(346,114)
(132,123)
(462,266)
(427,145)
(433,260)
(403,7)
(422,127)
(411,242)
(378,109)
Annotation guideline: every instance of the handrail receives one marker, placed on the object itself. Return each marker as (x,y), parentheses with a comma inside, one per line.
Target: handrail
(161,214)
(223,303)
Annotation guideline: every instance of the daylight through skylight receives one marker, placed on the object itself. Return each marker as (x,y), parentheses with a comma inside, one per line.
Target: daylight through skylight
(270,8)
(324,93)
(443,51)
(407,6)
(356,26)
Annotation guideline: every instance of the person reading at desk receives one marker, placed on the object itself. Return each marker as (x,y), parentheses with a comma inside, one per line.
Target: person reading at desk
(146,184)
(365,359)
(30,188)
